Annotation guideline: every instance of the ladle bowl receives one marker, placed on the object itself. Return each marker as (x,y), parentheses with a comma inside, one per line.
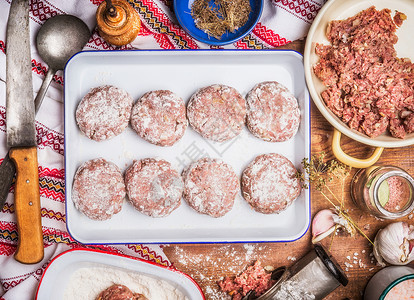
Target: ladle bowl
(57,41)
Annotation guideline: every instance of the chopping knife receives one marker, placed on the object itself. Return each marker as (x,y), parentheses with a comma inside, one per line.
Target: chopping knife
(59,38)
(21,134)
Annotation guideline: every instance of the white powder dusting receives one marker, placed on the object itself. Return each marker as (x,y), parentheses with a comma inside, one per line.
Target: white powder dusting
(269,183)
(273,112)
(210,186)
(212,267)
(159,117)
(87,283)
(291,290)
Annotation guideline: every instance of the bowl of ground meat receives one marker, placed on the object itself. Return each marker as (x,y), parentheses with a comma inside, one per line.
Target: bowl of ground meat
(359,69)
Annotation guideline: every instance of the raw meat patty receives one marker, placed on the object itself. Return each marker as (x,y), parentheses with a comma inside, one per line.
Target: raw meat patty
(269,183)
(104,112)
(217,112)
(119,292)
(272,112)
(159,117)
(98,189)
(210,187)
(154,187)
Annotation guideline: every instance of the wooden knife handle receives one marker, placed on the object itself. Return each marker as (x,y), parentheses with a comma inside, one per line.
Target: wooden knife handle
(30,248)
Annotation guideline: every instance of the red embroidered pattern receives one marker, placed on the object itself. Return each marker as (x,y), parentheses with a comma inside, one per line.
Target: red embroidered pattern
(160,23)
(3,46)
(242,44)
(8,232)
(56,173)
(3,118)
(45,137)
(11,284)
(97,2)
(250,42)
(38,68)
(269,36)
(97,42)
(41,11)
(146,253)
(49,138)
(50,192)
(9,208)
(50,214)
(53,236)
(303,9)
(6,249)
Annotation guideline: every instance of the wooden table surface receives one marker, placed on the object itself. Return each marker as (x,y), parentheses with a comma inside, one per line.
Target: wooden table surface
(208,263)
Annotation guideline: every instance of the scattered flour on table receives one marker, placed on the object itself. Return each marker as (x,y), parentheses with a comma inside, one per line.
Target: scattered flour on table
(224,259)
(87,283)
(292,291)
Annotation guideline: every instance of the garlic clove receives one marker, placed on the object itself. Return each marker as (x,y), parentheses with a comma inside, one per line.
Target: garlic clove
(323,235)
(326,221)
(342,222)
(393,245)
(322,222)
(376,251)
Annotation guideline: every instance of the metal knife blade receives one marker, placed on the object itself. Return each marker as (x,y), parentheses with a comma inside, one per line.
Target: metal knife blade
(20,115)
(21,134)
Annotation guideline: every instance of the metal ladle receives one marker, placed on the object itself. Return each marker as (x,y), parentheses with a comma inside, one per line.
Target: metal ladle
(57,41)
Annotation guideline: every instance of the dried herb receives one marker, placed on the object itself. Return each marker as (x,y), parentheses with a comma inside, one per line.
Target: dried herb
(320,174)
(218,16)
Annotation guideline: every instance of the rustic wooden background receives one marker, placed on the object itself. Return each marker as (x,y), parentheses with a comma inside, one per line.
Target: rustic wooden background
(208,263)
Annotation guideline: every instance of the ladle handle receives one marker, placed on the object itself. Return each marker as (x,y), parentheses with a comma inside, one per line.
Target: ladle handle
(7,167)
(43,89)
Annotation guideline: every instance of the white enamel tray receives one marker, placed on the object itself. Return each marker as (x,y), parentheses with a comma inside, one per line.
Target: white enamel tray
(183,72)
(57,275)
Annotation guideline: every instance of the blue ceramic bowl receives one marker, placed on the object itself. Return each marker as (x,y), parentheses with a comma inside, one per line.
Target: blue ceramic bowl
(182,9)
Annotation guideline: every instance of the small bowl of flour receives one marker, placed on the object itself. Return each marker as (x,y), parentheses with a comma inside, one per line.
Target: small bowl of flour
(85,273)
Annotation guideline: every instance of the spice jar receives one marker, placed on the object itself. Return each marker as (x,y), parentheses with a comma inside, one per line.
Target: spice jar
(383,191)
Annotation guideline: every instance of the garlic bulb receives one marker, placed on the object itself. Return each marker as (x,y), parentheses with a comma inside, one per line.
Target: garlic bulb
(325,222)
(395,244)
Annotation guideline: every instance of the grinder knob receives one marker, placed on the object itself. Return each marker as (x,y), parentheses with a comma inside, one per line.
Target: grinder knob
(118,23)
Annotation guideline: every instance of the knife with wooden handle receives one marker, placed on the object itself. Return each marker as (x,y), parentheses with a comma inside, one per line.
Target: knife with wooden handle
(21,134)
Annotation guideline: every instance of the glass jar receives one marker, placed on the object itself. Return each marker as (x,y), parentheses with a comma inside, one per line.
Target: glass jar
(383,191)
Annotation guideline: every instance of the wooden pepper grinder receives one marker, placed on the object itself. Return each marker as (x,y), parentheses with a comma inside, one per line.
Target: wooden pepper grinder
(118,23)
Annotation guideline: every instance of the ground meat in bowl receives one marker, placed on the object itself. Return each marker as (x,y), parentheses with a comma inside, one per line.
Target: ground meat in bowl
(367,86)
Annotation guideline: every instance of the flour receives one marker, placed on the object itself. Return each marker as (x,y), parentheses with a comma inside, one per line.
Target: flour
(290,290)
(87,283)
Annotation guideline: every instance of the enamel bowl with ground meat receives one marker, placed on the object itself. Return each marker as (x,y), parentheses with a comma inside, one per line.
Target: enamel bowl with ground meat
(359,69)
